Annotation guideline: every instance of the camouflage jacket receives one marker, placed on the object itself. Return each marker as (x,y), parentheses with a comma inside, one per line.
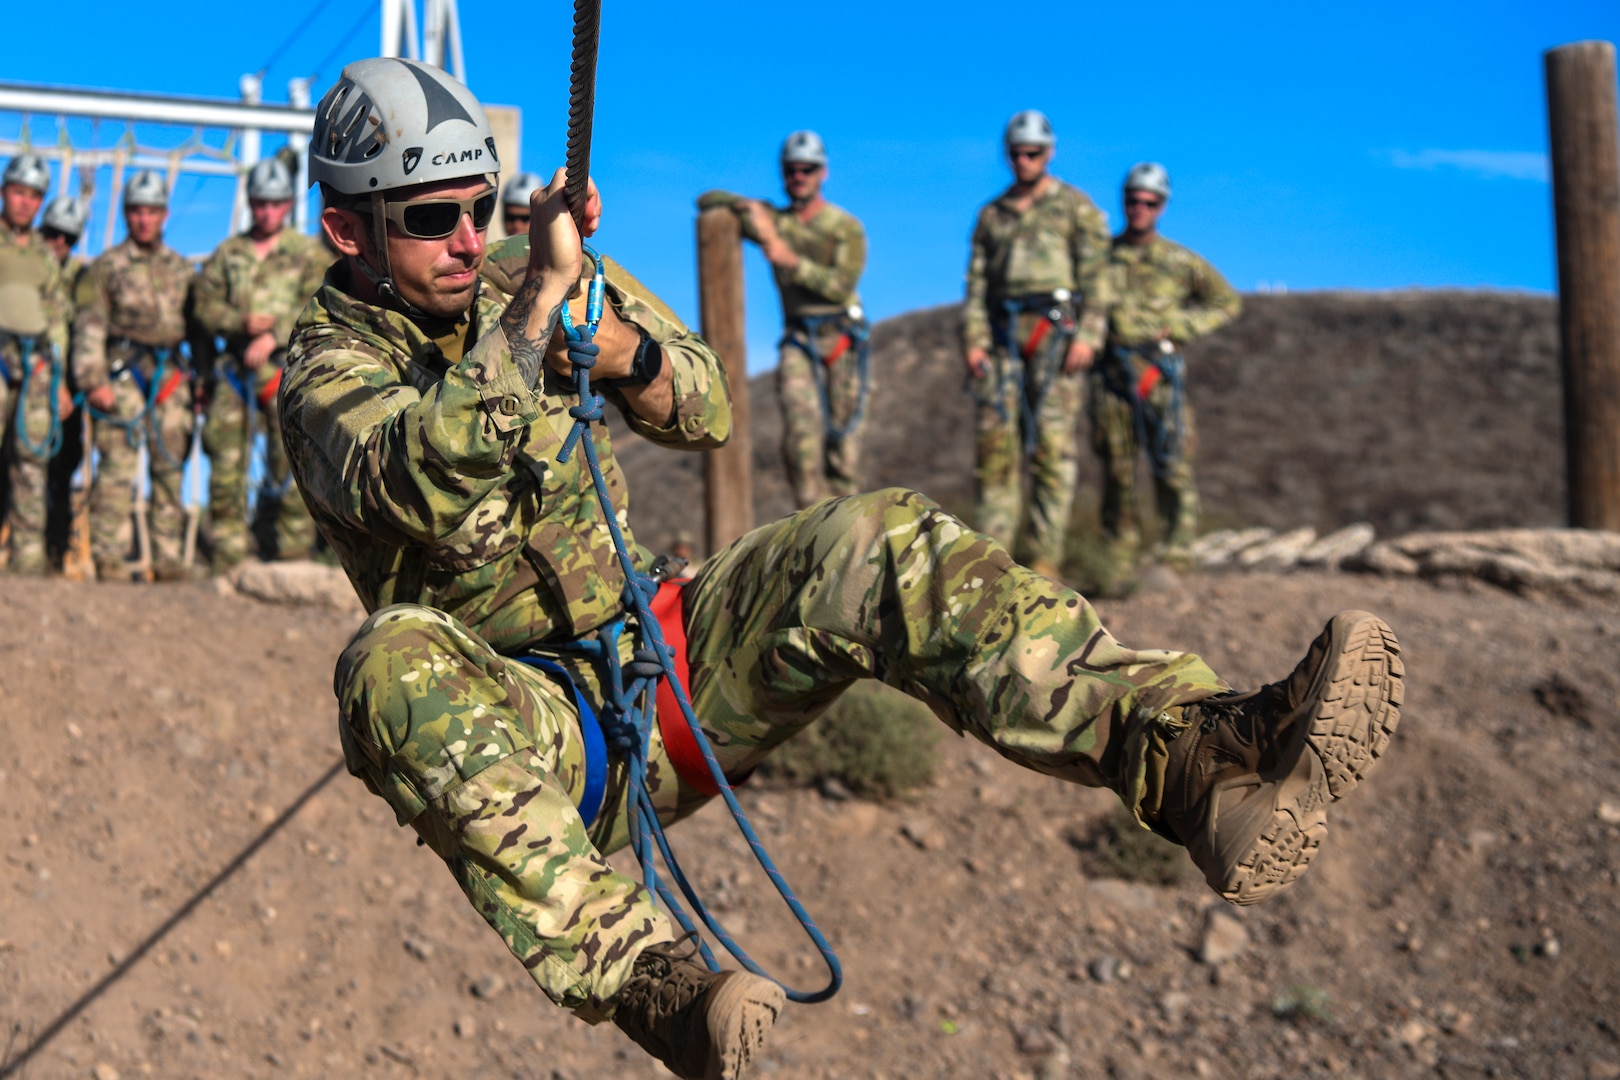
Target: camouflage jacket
(28,281)
(831,247)
(235,283)
(438,483)
(1160,287)
(127,294)
(1060,242)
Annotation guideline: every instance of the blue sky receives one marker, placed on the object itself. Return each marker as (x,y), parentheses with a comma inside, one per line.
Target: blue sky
(1373,146)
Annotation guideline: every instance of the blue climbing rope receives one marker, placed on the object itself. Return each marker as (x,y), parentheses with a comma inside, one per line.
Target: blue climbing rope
(861,341)
(47,447)
(629,688)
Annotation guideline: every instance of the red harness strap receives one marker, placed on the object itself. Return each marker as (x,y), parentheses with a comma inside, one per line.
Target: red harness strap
(669,608)
(838,350)
(267,394)
(1043,326)
(1150,379)
(170,385)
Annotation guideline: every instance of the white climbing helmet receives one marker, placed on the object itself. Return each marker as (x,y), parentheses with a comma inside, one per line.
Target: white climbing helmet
(519,188)
(390,123)
(66,216)
(146,188)
(269,181)
(1149,176)
(804,148)
(30,171)
(1029,128)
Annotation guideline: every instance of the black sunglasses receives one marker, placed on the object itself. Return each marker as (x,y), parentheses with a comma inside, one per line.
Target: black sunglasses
(800,170)
(434,219)
(1031,154)
(1151,204)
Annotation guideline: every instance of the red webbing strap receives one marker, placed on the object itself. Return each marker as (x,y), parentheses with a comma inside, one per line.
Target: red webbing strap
(838,350)
(1150,379)
(668,607)
(170,385)
(268,393)
(1043,326)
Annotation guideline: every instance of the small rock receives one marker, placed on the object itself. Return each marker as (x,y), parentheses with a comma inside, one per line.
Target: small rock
(1104,969)
(488,986)
(104,1071)
(465,1027)
(1549,948)
(1414,1031)
(1603,1070)
(1224,938)
(418,948)
(1278,553)
(223,949)
(1034,1041)
(1336,548)
(1173,1006)
(75,731)
(923,834)
(833,789)
(1609,812)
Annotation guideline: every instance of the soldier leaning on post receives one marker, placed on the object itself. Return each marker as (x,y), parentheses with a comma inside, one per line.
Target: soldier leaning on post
(1030,325)
(249,294)
(128,364)
(817,252)
(424,416)
(1161,297)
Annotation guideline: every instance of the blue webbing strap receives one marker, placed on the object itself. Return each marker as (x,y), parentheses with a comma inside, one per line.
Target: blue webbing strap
(861,343)
(46,448)
(629,689)
(590,800)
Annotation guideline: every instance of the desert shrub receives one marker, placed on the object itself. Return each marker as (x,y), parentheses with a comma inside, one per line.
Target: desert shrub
(1121,848)
(1303,1005)
(876,741)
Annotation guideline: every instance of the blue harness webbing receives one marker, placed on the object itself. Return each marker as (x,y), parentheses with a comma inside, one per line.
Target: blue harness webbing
(860,341)
(1160,434)
(46,448)
(1027,378)
(629,689)
(590,800)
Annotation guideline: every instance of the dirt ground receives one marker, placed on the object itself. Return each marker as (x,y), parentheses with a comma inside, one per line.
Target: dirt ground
(1460,922)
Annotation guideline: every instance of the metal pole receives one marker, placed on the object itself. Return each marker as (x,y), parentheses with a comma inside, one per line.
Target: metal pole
(727,472)
(1584,130)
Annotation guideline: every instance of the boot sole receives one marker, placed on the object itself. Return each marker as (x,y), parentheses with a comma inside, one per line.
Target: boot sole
(741,1011)
(1355,707)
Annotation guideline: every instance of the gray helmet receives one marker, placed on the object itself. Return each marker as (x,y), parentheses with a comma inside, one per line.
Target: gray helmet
(1029,128)
(391,123)
(1149,176)
(146,188)
(66,216)
(519,188)
(269,181)
(804,148)
(30,171)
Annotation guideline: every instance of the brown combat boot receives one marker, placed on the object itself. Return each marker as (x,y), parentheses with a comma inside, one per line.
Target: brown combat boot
(701,1024)
(1247,785)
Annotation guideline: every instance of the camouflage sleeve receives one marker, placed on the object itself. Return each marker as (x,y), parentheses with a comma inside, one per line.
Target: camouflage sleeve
(702,417)
(59,307)
(975,320)
(403,465)
(313,269)
(211,303)
(1211,303)
(836,282)
(506,263)
(1088,248)
(90,329)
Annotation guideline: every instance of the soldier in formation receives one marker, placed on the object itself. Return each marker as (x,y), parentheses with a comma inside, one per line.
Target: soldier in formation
(1163,296)
(127,362)
(1031,324)
(33,344)
(424,417)
(817,252)
(248,295)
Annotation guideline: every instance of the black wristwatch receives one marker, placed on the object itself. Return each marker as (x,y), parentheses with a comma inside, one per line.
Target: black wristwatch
(647,366)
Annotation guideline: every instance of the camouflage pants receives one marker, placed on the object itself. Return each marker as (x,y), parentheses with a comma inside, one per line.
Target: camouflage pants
(1114,436)
(112,497)
(1000,460)
(27,467)
(818,465)
(228,441)
(483,756)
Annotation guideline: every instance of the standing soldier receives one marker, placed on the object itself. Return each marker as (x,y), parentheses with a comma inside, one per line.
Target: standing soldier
(1163,296)
(427,422)
(60,228)
(32,340)
(127,361)
(1030,326)
(817,252)
(515,203)
(249,293)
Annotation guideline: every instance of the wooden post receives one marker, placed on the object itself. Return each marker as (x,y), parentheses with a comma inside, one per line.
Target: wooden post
(727,472)
(1584,129)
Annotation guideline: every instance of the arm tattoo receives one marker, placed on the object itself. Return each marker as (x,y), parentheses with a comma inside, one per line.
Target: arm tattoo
(528,355)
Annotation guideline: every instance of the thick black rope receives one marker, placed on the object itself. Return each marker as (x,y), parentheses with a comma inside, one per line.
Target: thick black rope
(582,104)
